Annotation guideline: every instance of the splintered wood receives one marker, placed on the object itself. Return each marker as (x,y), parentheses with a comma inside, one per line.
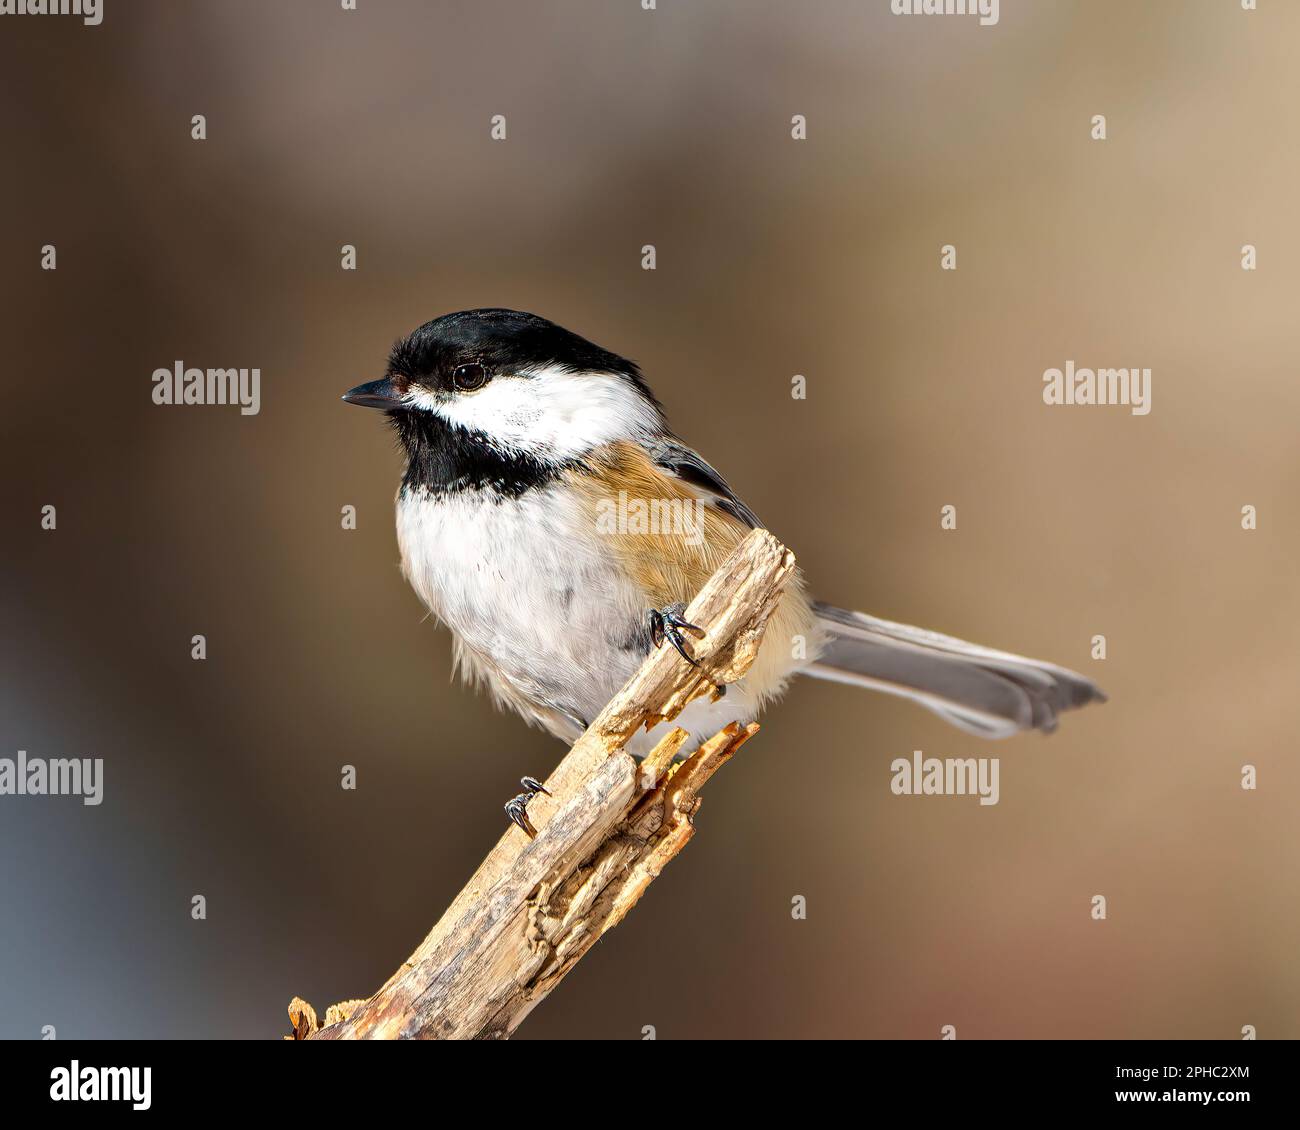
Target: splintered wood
(534,907)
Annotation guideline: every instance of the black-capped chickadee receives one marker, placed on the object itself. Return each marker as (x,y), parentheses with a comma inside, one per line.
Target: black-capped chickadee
(553,522)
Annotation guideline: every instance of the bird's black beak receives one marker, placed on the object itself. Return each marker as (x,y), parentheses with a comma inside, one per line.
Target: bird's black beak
(375,394)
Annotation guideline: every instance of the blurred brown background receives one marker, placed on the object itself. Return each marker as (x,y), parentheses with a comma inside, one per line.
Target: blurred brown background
(775,257)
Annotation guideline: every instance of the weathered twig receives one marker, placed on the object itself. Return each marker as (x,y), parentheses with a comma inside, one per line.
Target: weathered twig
(534,907)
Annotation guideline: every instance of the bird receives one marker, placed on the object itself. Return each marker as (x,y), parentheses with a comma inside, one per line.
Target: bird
(527,446)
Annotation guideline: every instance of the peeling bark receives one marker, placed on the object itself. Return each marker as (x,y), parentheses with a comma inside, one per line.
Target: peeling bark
(608,829)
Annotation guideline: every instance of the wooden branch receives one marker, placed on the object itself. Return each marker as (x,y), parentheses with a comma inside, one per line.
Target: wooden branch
(607,830)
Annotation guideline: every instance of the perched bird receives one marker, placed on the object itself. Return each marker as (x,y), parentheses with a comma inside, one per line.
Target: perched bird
(525,447)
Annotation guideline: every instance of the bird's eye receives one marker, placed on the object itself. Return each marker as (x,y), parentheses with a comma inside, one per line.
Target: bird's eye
(469,377)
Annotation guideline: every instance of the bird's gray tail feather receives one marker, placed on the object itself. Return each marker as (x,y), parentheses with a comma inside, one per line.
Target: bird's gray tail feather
(990,693)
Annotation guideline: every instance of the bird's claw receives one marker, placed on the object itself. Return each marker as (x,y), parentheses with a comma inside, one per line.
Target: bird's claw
(517,807)
(534,786)
(668,624)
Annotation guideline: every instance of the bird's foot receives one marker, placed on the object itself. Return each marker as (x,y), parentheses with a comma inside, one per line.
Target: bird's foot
(517,808)
(667,624)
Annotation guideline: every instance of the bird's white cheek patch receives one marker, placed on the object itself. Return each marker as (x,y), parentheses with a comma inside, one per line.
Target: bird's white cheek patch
(523,419)
(415,398)
(505,411)
(509,411)
(550,413)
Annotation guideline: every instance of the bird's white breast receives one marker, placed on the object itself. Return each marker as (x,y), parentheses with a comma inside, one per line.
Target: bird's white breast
(528,583)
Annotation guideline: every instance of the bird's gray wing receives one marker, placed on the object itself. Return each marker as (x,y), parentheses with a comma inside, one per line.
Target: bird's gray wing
(690,466)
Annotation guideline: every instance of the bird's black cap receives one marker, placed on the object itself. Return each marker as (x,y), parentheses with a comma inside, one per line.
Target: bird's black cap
(503,341)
